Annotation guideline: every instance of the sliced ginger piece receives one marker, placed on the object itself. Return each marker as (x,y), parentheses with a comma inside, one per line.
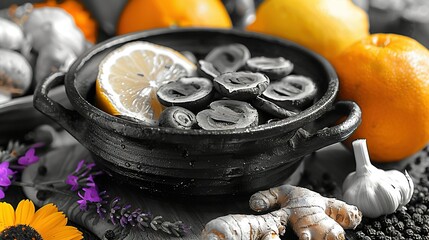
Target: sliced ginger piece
(311,216)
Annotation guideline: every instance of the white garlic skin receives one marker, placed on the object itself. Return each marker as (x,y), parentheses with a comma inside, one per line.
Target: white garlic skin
(11,35)
(378,193)
(405,183)
(374,191)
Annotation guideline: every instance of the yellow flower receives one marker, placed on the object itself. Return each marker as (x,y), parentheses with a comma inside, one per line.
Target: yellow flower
(44,224)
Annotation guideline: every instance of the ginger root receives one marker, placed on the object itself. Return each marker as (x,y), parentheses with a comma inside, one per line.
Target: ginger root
(311,216)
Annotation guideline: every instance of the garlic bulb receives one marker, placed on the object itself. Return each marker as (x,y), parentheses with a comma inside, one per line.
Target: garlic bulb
(11,35)
(52,58)
(374,191)
(52,24)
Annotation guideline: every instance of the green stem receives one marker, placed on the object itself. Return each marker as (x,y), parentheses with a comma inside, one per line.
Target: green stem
(41,187)
(51,182)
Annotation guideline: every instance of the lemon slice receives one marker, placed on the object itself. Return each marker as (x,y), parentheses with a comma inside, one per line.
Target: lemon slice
(129,77)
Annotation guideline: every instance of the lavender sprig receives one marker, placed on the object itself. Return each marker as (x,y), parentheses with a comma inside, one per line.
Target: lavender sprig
(83,177)
(113,210)
(16,156)
(117,213)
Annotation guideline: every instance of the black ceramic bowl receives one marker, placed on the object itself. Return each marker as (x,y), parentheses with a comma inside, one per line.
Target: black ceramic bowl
(200,162)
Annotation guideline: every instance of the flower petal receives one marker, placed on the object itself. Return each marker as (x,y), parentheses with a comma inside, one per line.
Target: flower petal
(50,223)
(38,145)
(29,157)
(9,172)
(64,233)
(72,181)
(5,181)
(91,194)
(7,215)
(79,165)
(30,152)
(5,172)
(82,204)
(24,212)
(43,212)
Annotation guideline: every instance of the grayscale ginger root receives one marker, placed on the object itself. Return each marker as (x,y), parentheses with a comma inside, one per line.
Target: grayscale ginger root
(311,216)
(238,226)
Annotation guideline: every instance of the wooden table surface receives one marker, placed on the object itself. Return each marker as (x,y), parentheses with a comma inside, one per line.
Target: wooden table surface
(335,160)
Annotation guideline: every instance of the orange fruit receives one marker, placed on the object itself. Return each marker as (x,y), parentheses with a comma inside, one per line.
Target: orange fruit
(324,26)
(387,75)
(130,75)
(148,14)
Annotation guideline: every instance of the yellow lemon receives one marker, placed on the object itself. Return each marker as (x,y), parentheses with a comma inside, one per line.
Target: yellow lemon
(324,26)
(129,77)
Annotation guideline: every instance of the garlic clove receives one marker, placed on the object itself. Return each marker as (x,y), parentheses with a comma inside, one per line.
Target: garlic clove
(370,195)
(11,35)
(404,185)
(374,191)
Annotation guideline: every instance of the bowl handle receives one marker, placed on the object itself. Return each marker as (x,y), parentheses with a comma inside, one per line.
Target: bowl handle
(304,141)
(68,119)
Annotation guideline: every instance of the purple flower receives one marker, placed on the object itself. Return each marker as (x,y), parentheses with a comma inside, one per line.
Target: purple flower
(38,145)
(90,195)
(5,174)
(82,177)
(90,165)
(81,181)
(90,181)
(79,165)
(84,166)
(82,204)
(73,181)
(29,157)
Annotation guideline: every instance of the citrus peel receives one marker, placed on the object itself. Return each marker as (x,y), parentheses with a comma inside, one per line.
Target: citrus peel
(387,75)
(129,77)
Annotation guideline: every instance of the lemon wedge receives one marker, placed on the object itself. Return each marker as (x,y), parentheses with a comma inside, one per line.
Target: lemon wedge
(129,77)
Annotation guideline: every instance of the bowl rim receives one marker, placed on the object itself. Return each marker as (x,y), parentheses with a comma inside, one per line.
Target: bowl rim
(134,129)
